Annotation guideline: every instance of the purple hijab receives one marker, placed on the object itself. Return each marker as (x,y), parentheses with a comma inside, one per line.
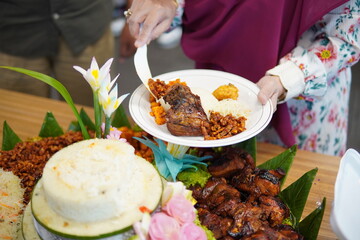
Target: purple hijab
(248,37)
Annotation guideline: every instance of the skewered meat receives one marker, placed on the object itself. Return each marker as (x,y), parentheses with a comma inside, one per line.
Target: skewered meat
(231,162)
(186,117)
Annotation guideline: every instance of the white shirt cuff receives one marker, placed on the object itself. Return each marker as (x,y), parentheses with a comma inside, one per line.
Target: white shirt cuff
(291,77)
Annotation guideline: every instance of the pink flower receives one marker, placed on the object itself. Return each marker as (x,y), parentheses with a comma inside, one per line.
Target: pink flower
(190,231)
(326,54)
(114,134)
(180,208)
(310,143)
(351,28)
(307,118)
(164,227)
(332,116)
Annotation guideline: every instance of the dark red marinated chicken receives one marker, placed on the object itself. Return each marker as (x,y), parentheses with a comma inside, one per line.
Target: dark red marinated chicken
(240,201)
(186,117)
(232,161)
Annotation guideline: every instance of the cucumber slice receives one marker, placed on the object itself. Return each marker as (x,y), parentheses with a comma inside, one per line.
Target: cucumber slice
(28,228)
(147,183)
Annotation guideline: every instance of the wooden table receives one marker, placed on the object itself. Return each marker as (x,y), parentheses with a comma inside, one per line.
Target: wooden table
(25,113)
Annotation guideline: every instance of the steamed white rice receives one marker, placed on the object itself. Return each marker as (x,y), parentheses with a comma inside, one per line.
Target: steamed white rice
(11,196)
(224,107)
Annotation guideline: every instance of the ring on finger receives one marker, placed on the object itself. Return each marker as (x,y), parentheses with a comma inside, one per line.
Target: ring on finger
(127,13)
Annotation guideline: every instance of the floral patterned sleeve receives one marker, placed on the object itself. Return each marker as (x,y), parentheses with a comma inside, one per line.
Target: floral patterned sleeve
(329,47)
(177,21)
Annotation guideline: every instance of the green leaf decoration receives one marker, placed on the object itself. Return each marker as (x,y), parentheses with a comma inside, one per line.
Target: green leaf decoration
(137,128)
(296,194)
(10,139)
(50,127)
(120,118)
(309,227)
(59,87)
(87,120)
(191,177)
(249,146)
(284,161)
(74,126)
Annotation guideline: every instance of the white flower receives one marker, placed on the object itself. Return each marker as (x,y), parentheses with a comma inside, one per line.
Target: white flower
(95,76)
(109,100)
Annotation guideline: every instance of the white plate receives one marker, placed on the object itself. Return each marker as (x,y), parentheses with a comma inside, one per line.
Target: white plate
(344,216)
(258,118)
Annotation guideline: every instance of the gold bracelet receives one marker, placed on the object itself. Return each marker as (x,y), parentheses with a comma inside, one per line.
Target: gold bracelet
(176,3)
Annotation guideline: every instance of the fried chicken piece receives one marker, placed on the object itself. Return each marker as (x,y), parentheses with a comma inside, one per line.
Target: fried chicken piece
(275,209)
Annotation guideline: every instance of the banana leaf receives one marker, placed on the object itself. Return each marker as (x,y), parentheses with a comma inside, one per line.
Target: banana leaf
(309,226)
(74,125)
(50,127)
(284,161)
(10,139)
(59,87)
(120,118)
(295,195)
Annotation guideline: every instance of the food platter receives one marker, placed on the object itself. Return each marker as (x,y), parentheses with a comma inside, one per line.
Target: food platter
(258,117)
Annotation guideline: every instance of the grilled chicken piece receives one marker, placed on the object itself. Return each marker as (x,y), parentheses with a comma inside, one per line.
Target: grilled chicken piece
(279,173)
(222,192)
(232,161)
(186,117)
(247,220)
(259,182)
(229,208)
(218,225)
(289,232)
(274,208)
(227,238)
(201,194)
(285,232)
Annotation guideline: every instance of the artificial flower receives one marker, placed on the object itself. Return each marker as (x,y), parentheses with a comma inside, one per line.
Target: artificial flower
(114,134)
(163,227)
(109,101)
(168,165)
(94,76)
(181,209)
(190,231)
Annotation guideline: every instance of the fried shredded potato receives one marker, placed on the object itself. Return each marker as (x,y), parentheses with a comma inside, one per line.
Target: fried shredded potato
(226,92)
